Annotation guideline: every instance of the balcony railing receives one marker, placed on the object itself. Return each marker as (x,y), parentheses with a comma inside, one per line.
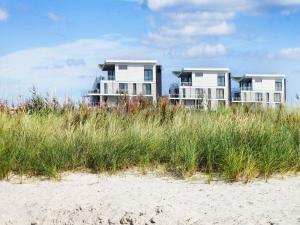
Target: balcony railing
(193,96)
(186,83)
(97,91)
(236,99)
(246,88)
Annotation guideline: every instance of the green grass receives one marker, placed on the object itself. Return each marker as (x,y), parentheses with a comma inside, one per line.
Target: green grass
(234,144)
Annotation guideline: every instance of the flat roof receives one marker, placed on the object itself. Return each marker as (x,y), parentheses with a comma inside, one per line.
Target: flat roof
(201,69)
(113,61)
(265,75)
(257,75)
(191,69)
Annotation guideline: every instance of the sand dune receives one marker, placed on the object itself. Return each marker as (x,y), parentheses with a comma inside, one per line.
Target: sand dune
(146,199)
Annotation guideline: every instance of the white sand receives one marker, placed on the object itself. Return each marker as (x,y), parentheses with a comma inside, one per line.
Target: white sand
(146,199)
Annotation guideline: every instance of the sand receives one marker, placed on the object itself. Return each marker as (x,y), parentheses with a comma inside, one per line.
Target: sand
(132,198)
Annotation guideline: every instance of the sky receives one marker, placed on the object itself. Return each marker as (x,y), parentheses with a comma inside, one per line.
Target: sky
(56,45)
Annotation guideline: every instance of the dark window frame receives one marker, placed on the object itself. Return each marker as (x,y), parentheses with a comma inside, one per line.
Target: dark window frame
(148,73)
(123,67)
(221,79)
(123,90)
(218,95)
(147,91)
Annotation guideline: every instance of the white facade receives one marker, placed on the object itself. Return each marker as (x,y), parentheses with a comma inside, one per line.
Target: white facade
(263,89)
(205,88)
(127,77)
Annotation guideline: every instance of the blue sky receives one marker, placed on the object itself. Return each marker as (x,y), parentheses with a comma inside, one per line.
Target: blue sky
(56,45)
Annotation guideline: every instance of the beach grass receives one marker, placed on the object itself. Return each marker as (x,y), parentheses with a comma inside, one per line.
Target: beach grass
(237,143)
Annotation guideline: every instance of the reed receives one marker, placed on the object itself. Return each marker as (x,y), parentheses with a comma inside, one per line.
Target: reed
(238,143)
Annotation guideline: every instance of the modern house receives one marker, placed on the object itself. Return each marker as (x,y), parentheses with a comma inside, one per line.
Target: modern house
(127,78)
(205,88)
(260,89)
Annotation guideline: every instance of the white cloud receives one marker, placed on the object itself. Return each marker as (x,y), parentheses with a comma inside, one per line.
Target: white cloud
(54,17)
(234,5)
(202,15)
(203,50)
(199,28)
(288,12)
(290,53)
(158,40)
(188,27)
(3,15)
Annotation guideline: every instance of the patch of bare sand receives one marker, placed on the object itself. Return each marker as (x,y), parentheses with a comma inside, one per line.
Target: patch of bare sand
(132,198)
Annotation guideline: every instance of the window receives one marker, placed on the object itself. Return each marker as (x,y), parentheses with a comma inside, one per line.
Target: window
(221,79)
(278,85)
(258,97)
(220,93)
(111,75)
(209,93)
(105,88)
(123,88)
(277,97)
(123,67)
(147,89)
(134,89)
(199,74)
(258,80)
(268,97)
(199,93)
(183,92)
(148,73)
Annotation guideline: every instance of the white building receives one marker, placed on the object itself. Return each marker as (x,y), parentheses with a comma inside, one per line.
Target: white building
(205,88)
(262,89)
(127,77)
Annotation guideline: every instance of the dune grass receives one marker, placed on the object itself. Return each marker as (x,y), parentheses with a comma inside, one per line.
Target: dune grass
(233,143)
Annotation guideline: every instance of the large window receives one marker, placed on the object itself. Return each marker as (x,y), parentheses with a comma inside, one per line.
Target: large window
(258,97)
(148,73)
(220,93)
(221,79)
(134,88)
(123,88)
(105,88)
(183,92)
(147,89)
(277,97)
(199,74)
(123,67)
(111,75)
(278,85)
(199,93)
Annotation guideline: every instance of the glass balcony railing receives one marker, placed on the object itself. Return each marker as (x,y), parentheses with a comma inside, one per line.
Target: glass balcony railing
(186,83)
(236,99)
(94,91)
(246,88)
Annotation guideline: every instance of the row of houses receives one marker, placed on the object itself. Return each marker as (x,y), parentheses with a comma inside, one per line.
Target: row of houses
(198,87)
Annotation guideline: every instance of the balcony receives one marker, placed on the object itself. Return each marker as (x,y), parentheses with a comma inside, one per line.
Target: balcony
(90,92)
(192,97)
(186,84)
(246,88)
(97,91)
(184,96)
(236,99)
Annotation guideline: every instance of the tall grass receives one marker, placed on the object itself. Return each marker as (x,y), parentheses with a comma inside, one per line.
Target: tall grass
(233,143)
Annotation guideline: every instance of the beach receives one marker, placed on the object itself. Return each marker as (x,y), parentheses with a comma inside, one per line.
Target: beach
(135,198)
